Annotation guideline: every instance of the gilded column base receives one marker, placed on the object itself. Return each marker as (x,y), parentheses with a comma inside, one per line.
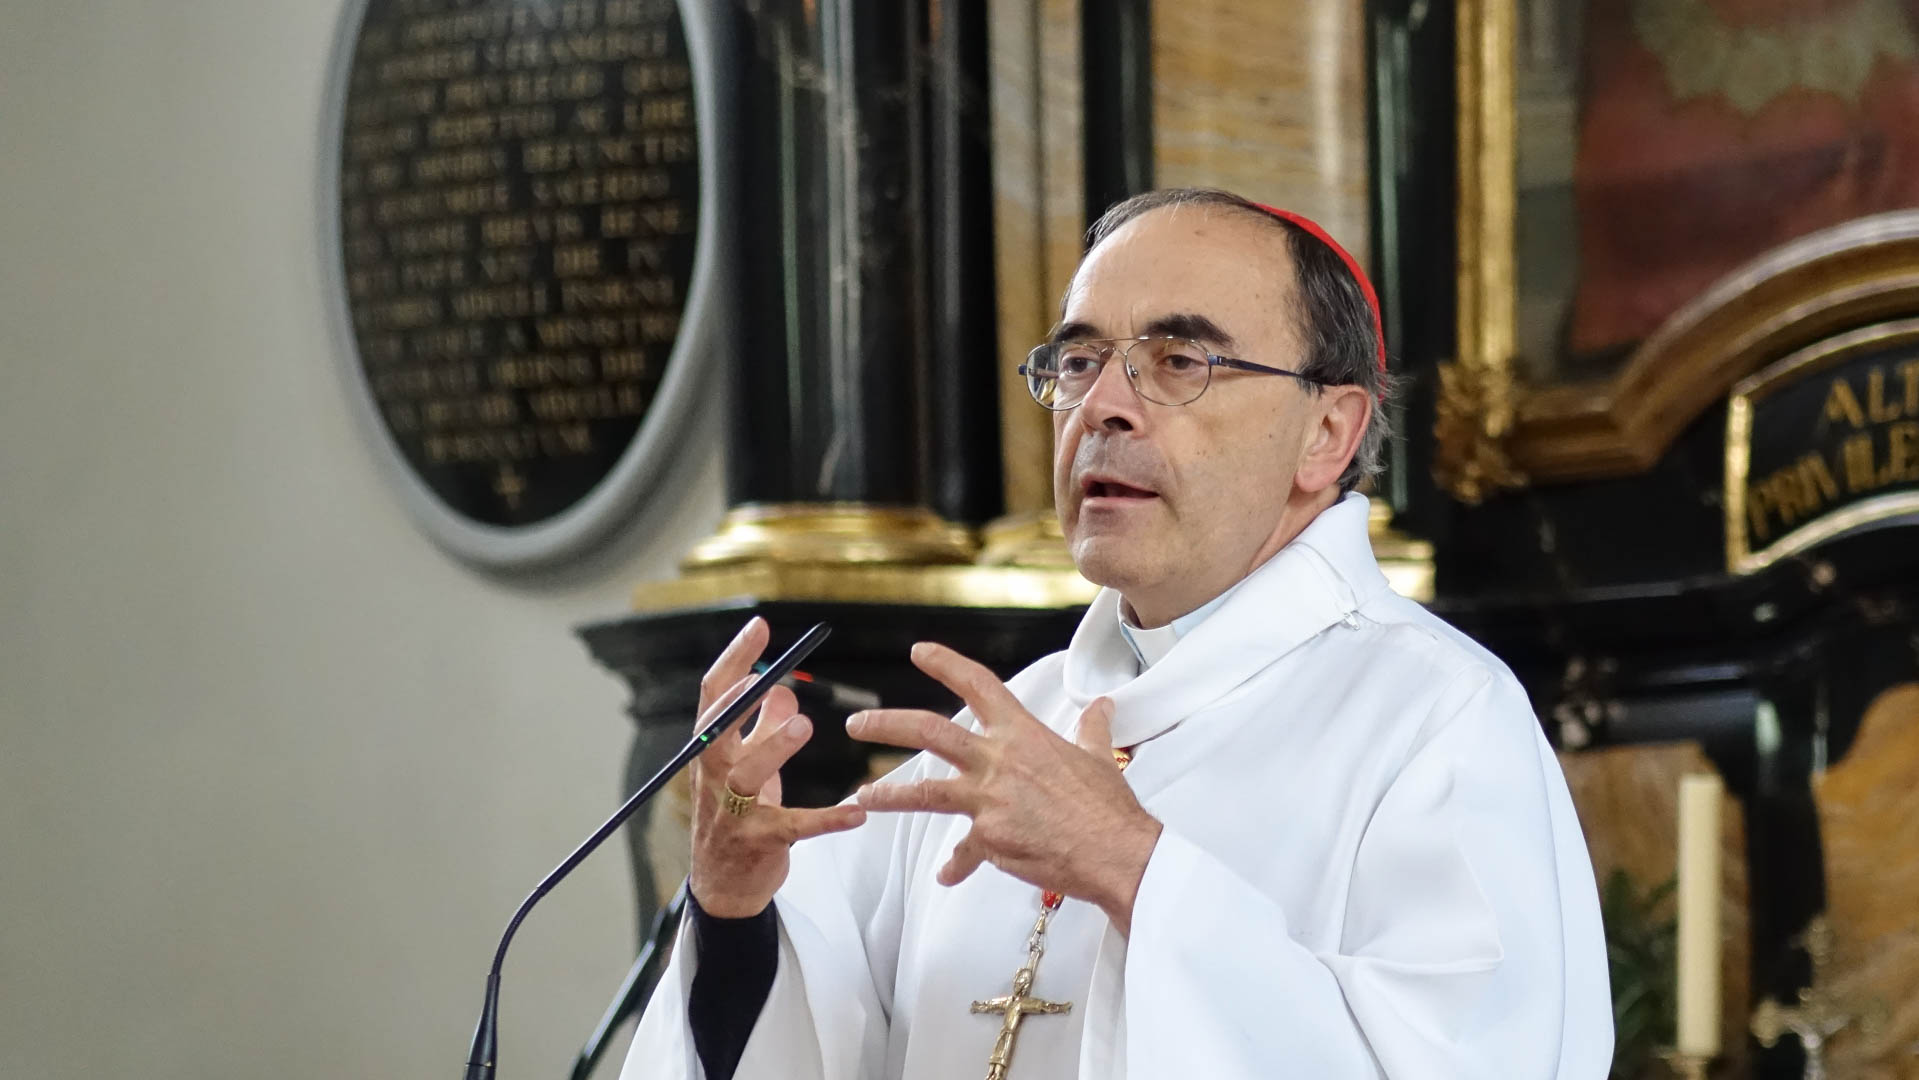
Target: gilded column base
(1030,539)
(874,583)
(857,554)
(833,533)
(848,553)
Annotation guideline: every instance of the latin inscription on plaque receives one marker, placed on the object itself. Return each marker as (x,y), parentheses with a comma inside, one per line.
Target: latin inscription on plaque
(1822,449)
(519,187)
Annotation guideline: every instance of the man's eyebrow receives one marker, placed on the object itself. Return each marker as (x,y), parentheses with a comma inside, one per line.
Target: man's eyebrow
(1184,324)
(1187,324)
(1072,331)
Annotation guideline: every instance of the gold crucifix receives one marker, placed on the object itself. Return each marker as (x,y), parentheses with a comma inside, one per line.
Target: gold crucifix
(1020,1002)
(1820,1014)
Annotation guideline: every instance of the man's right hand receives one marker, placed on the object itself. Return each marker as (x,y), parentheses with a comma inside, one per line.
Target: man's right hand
(739,862)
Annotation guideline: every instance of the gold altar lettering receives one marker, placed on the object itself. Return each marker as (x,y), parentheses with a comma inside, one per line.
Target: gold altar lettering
(520,372)
(576,260)
(643,77)
(624,364)
(500,302)
(1843,404)
(1861,445)
(646,290)
(431,64)
(1877,409)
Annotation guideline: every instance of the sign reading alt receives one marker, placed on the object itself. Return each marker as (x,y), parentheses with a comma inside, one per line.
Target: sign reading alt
(519,190)
(1822,443)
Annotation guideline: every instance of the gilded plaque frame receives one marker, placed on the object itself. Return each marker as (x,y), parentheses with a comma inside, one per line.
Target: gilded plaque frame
(1809,361)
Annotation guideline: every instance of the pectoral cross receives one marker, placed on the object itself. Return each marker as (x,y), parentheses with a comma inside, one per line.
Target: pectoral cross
(1020,1002)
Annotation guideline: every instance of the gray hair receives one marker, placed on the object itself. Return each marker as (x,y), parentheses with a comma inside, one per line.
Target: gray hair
(1336,321)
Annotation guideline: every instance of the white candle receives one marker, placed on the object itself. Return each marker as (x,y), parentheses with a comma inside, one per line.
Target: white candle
(1700,796)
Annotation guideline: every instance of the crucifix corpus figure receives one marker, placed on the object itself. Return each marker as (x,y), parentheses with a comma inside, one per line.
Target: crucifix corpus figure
(1017,1004)
(1343,847)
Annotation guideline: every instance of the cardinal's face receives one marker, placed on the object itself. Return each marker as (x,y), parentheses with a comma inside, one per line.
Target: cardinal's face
(1171,505)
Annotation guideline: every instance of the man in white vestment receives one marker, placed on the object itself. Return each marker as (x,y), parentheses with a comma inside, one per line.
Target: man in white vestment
(1263,817)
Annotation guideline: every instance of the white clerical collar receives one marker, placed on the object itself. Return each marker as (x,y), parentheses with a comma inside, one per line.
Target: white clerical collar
(1152,645)
(1316,582)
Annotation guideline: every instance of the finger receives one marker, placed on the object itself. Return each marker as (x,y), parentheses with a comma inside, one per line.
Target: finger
(776,708)
(1095,734)
(730,738)
(973,681)
(793,826)
(923,795)
(762,758)
(734,662)
(967,857)
(917,729)
(770,793)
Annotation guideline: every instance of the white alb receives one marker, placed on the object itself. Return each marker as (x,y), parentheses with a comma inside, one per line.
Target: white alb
(1370,867)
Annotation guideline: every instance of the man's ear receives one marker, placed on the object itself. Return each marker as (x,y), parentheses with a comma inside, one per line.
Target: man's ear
(1338,419)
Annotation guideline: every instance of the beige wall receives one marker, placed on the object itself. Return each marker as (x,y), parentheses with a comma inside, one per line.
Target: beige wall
(273,770)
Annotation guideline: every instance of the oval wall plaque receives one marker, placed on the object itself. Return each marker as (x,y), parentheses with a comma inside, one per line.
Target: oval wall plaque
(518,200)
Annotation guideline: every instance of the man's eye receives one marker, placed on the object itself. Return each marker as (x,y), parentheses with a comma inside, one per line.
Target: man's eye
(1077,361)
(1182,361)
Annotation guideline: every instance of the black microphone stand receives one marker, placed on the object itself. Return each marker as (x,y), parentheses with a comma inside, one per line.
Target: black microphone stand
(483,1056)
(632,992)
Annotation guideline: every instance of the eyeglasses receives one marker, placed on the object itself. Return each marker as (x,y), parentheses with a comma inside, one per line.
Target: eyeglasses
(1164,370)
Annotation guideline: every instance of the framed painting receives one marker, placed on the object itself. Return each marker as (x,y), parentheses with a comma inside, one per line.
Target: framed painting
(1620,161)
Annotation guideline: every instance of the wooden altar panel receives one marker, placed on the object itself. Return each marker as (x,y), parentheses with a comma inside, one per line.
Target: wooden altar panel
(1263,97)
(1038,214)
(1628,799)
(1869,821)
(1266,98)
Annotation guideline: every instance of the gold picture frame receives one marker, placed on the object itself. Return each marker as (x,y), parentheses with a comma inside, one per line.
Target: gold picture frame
(1494,431)
(1479,388)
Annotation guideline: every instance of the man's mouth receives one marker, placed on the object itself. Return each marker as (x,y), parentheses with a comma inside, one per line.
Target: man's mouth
(1100,488)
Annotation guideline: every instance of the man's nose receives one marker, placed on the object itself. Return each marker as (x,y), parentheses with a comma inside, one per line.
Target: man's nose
(1112,404)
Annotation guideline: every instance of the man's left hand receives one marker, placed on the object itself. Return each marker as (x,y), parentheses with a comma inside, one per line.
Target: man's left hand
(1044,810)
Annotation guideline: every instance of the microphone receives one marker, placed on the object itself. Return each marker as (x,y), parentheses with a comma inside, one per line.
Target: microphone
(639,980)
(481,1059)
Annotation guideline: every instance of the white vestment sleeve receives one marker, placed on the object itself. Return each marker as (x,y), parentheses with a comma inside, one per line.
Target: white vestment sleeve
(1452,960)
(826,1015)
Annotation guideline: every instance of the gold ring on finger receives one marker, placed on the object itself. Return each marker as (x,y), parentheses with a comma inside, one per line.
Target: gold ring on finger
(736,803)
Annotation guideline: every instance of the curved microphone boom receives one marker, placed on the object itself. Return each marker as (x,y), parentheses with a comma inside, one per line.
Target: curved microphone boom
(481,1059)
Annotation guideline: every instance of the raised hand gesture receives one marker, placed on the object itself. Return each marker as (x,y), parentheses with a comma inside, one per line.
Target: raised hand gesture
(1055,813)
(742,836)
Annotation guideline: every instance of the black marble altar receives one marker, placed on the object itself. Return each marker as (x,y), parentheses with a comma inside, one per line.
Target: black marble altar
(1116,89)
(864,357)
(863,368)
